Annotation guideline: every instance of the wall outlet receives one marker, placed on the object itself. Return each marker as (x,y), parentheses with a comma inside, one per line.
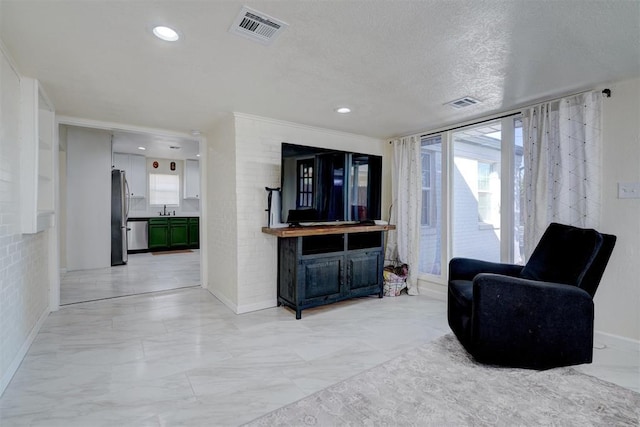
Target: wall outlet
(629,190)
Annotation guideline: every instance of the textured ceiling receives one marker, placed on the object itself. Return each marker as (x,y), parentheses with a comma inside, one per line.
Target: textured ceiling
(395,63)
(158,146)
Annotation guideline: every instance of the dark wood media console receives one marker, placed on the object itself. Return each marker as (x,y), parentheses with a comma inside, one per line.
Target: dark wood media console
(323,264)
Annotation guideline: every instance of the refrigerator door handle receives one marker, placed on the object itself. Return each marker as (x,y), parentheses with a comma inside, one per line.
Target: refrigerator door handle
(127,199)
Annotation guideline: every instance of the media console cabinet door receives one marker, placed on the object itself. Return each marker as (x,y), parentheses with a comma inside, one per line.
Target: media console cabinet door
(364,270)
(321,278)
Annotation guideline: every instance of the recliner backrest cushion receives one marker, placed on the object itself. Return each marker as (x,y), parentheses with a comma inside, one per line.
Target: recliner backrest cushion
(591,279)
(563,255)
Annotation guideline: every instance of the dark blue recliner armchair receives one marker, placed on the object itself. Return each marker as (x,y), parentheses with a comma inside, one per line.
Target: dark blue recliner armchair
(538,316)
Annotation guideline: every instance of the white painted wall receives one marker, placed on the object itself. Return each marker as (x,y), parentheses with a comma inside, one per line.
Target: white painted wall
(258,153)
(62,191)
(617,300)
(24,272)
(88,222)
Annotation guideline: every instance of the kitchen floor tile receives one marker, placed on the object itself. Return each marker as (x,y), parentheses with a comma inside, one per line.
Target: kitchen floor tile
(143,273)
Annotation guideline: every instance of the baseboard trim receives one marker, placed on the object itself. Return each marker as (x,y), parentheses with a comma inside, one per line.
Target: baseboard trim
(432,293)
(241,309)
(616,341)
(15,364)
(256,306)
(223,300)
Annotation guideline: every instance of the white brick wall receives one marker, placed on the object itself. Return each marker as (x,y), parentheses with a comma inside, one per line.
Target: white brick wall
(24,282)
(222,263)
(258,151)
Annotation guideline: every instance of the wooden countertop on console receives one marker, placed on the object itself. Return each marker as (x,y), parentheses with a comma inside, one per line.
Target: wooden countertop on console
(317,230)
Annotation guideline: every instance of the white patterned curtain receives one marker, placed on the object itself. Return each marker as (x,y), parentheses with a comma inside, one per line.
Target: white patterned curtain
(562,143)
(403,244)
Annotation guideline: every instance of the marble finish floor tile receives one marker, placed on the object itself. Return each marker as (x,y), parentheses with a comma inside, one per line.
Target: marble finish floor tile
(181,357)
(144,272)
(617,364)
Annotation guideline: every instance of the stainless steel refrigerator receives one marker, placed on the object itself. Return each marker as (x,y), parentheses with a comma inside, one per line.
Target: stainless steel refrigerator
(119,215)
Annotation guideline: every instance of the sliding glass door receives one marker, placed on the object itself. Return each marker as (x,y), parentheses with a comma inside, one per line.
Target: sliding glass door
(431,214)
(476,195)
(471,192)
(518,195)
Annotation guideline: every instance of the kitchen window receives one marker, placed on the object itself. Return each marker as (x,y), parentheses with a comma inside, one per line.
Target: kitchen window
(164,189)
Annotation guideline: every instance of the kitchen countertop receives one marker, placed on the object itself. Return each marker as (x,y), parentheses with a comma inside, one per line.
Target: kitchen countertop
(146,218)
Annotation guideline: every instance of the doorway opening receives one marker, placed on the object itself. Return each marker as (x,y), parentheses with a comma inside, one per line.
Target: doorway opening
(88,271)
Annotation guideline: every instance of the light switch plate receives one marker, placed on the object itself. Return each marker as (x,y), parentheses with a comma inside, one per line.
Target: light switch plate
(629,190)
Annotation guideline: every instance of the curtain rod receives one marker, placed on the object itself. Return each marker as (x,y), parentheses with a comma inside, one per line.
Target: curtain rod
(471,124)
(605,92)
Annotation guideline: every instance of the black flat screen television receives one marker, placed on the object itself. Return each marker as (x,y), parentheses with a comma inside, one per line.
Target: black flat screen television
(320,185)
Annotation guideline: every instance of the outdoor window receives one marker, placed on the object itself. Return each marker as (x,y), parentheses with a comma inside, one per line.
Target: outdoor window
(305,184)
(488,194)
(427,190)
(164,189)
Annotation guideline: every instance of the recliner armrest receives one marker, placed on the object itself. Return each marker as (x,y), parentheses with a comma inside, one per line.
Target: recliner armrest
(490,287)
(468,268)
(536,323)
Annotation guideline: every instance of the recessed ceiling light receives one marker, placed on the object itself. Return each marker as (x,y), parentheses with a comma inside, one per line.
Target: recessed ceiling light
(343,110)
(166,33)
(197,155)
(141,148)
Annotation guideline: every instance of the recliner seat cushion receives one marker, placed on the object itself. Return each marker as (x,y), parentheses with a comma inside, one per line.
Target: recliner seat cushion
(563,255)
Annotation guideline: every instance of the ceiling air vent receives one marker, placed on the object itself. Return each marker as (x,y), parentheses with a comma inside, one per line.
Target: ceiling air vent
(257,26)
(463,102)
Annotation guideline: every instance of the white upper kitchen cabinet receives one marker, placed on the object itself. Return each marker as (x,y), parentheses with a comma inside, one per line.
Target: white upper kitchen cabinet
(191,179)
(37,157)
(135,168)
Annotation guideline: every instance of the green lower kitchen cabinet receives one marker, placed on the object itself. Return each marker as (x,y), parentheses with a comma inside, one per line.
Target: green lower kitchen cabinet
(194,233)
(169,233)
(158,233)
(178,232)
